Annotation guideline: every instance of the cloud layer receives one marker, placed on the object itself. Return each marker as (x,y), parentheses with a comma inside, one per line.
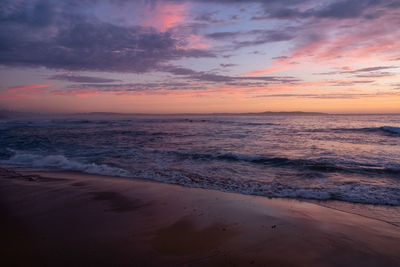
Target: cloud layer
(41,33)
(254,49)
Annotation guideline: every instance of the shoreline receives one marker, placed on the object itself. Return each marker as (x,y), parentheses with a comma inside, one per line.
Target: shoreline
(72,218)
(371,211)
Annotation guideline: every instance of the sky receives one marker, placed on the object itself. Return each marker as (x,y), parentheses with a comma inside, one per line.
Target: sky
(200,56)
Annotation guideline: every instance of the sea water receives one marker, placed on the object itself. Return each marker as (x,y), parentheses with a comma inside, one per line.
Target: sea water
(351,158)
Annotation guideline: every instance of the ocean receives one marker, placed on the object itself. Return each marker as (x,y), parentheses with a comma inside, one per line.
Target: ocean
(349,158)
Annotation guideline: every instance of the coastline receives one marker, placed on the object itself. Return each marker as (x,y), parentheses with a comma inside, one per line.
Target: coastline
(65,218)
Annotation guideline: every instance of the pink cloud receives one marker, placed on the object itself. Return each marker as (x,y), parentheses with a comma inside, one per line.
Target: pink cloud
(80,93)
(340,43)
(25,91)
(196,42)
(164,15)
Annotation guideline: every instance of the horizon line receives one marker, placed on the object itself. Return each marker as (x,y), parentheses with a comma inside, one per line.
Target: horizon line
(296,112)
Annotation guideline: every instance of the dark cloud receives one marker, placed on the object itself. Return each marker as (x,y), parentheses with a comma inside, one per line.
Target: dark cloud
(91,46)
(281,13)
(34,13)
(375,75)
(255,37)
(131,86)
(66,35)
(351,83)
(179,71)
(346,9)
(378,68)
(268,36)
(81,79)
(32,35)
(228,65)
(371,72)
(365,72)
(216,78)
(183,82)
(222,35)
(265,2)
(209,18)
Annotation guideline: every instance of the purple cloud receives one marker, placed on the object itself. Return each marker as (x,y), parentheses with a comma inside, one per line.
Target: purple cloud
(81,79)
(34,34)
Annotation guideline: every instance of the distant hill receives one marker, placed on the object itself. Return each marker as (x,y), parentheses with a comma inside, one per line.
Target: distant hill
(271,113)
(265,113)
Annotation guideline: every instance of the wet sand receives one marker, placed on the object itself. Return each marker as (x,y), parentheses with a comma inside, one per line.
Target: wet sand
(71,219)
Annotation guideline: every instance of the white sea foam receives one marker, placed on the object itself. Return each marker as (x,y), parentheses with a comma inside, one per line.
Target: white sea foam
(348,191)
(61,162)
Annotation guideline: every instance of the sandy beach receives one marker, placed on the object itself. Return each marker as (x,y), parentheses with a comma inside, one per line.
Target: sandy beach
(71,219)
(199,133)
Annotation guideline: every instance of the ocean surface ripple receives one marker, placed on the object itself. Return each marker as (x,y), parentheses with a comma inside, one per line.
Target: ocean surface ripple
(325,157)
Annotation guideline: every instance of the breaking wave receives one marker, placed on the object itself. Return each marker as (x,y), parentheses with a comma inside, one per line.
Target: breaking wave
(63,163)
(352,161)
(347,191)
(354,192)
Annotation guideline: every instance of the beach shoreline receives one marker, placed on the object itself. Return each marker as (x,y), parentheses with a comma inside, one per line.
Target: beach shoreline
(74,219)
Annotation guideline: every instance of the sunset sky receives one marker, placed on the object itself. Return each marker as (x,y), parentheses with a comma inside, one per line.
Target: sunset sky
(196,56)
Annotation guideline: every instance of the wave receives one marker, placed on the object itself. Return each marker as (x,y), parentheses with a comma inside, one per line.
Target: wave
(383,130)
(320,165)
(211,121)
(348,191)
(63,163)
(345,130)
(344,191)
(391,129)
